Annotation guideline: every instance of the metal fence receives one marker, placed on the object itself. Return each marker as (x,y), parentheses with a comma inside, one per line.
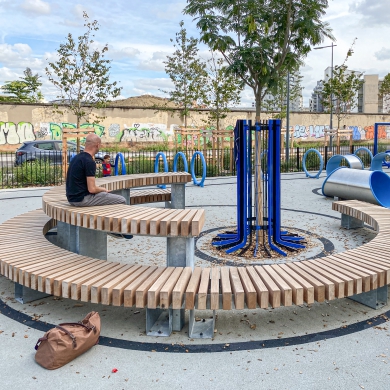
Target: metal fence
(219,162)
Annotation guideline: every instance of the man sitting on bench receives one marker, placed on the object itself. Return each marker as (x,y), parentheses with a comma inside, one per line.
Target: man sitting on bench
(81,188)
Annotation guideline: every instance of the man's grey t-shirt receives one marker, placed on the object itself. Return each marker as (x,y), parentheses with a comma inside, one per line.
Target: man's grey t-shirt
(81,167)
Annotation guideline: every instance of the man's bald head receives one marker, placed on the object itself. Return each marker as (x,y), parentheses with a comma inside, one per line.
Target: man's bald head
(92,144)
(92,140)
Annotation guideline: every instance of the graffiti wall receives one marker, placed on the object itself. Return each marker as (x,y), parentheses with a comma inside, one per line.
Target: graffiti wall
(358,132)
(16,133)
(20,123)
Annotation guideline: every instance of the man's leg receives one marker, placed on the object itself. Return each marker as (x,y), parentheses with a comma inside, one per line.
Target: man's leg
(100,199)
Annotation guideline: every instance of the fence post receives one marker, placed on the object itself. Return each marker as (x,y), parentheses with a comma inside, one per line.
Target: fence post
(326,156)
(298,158)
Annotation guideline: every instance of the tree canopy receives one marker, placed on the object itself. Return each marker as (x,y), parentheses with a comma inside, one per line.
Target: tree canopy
(186,72)
(221,90)
(81,75)
(25,90)
(260,39)
(384,91)
(340,92)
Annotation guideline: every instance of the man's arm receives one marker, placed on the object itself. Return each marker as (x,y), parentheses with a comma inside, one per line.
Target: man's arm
(92,187)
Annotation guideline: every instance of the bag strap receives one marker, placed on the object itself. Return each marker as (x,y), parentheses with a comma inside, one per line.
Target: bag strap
(89,328)
(39,342)
(69,334)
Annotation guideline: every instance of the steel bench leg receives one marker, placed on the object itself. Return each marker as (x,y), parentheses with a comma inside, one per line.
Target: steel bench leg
(24,294)
(159,322)
(125,193)
(375,299)
(349,222)
(178,196)
(201,328)
(86,242)
(180,253)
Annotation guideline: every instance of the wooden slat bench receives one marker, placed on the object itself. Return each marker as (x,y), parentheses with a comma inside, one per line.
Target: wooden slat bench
(55,270)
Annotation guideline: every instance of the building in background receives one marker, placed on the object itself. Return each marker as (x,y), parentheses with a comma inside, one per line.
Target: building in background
(315,102)
(368,99)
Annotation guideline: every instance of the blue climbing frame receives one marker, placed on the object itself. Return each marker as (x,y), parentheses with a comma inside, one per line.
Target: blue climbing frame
(267,136)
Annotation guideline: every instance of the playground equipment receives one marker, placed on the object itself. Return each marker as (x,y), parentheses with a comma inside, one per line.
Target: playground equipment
(376,128)
(120,157)
(353,162)
(258,210)
(378,161)
(368,186)
(366,150)
(156,161)
(317,175)
(175,160)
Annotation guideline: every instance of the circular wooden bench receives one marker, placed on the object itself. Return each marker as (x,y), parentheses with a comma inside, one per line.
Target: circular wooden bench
(47,268)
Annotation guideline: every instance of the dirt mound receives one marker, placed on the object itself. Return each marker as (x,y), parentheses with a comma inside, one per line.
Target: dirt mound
(143,101)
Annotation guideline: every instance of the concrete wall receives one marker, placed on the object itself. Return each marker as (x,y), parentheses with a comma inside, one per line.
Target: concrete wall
(26,122)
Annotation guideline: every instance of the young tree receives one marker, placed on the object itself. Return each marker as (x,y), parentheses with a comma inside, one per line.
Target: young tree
(222,89)
(276,99)
(339,93)
(24,90)
(260,39)
(384,92)
(81,75)
(187,73)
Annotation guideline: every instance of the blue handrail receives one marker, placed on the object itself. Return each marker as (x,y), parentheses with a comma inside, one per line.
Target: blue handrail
(198,183)
(317,175)
(175,160)
(122,158)
(156,161)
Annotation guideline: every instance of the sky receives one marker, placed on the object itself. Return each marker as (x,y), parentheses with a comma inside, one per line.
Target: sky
(138,34)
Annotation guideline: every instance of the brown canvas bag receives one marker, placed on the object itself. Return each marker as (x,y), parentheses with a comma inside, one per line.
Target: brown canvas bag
(65,342)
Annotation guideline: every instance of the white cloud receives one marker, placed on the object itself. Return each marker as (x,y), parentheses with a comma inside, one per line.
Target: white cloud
(383,54)
(155,63)
(78,11)
(18,56)
(39,7)
(120,54)
(373,12)
(167,12)
(152,86)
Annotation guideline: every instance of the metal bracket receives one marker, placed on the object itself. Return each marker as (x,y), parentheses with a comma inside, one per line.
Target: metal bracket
(201,329)
(349,222)
(375,299)
(25,295)
(158,322)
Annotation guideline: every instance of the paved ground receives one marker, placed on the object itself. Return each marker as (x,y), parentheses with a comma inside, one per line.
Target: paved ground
(337,344)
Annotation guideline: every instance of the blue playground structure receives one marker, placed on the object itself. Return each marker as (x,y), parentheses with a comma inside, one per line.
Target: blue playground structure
(258,202)
(120,157)
(185,163)
(317,175)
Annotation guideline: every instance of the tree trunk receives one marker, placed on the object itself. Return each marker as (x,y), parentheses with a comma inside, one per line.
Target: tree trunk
(258,180)
(78,139)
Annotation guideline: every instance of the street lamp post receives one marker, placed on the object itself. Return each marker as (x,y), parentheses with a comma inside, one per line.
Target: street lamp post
(331,96)
(288,119)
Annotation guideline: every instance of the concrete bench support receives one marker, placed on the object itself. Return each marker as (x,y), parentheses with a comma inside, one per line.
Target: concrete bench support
(375,299)
(86,242)
(349,222)
(24,294)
